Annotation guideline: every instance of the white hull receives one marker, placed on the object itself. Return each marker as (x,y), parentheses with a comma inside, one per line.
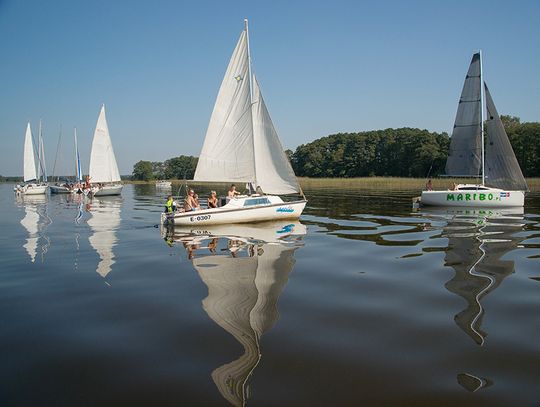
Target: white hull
(233,212)
(107,190)
(31,189)
(59,189)
(163,184)
(474,198)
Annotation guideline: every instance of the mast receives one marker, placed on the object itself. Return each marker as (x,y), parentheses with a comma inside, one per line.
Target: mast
(246,28)
(482,97)
(77,165)
(39,153)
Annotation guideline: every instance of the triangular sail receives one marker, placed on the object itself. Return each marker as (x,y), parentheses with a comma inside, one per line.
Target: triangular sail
(227,153)
(274,172)
(465,155)
(42,165)
(29,161)
(502,168)
(103,167)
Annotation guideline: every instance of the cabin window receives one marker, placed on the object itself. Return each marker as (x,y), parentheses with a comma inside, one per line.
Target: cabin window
(472,188)
(256,201)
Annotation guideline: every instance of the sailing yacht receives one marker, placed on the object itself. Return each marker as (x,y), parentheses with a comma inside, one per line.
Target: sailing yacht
(104,174)
(475,153)
(34,181)
(242,145)
(67,188)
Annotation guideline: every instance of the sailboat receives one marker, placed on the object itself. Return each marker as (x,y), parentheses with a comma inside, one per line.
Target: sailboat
(104,174)
(67,188)
(475,153)
(31,177)
(242,145)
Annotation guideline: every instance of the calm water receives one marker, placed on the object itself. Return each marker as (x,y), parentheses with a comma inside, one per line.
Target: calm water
(364,302)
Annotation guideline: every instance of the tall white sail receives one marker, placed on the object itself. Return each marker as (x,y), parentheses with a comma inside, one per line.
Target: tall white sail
(78,169)
(41,155)
(104,223)
(29,160)
(227,154)
(103,167)
(273,169)
(465,155)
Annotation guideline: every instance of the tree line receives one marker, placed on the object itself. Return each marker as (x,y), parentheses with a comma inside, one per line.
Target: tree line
(403,152)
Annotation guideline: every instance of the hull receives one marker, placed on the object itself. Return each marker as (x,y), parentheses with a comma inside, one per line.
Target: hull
(163,184)
(225,215)
(488,198)
(32,189)
(59,189)
(107,190)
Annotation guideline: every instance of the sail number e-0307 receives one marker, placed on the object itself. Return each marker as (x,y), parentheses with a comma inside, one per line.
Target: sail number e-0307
(199,218)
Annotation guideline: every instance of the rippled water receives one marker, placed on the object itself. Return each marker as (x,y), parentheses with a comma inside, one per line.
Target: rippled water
(364,302)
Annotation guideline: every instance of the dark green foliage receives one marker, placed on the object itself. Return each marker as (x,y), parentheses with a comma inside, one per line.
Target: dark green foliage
(180,167)
(401,152)
(142,171)
(525,140)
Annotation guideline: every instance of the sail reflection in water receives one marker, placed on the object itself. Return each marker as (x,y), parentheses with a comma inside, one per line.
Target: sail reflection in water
(245,269)
(104,223)
(477,241)
(35,222)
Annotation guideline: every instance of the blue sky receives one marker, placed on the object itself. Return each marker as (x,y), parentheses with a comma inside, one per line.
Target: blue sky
(324,67)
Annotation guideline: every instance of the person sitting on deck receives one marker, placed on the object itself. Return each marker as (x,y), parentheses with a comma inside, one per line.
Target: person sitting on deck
(212,201)
(232,192)
(197,203)
(429,185)
(189,202)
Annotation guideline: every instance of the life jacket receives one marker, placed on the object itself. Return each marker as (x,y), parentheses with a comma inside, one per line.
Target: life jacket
(169,205)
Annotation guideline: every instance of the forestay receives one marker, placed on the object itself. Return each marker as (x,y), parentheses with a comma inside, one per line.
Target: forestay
(502,169)
(103,167)
(29,161)
(227,153)
(464,158)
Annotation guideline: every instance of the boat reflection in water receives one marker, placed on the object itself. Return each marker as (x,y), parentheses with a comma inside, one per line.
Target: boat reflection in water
(245,268)
(35,221)
(477,241)
(104,223)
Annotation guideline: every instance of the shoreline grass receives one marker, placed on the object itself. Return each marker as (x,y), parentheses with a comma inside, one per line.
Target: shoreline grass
(373,182)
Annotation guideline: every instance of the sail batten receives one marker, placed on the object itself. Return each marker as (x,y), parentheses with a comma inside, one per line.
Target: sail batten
(502,168)
(465,152)
(29,161)
(103,167)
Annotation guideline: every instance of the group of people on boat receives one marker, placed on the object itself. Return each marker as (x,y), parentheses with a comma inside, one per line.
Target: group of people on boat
(192,203)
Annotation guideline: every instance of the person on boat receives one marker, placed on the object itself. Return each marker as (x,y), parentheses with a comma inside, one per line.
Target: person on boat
(212,201)
(197,203)
(454,186)
(189,203)
(232,192)
(259,190)
(170,206)
(429,185)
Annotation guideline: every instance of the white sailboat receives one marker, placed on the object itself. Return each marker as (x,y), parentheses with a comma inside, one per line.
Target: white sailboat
(104,174)
(32,184)
(478,154)
(242,145)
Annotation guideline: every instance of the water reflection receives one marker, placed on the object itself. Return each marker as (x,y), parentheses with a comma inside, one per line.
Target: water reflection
(245,269)
(35,221)
(477,241)
(104,223)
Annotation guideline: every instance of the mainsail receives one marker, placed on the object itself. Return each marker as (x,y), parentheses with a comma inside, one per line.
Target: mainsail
(465,155)
(227,154)
(78,169)
(103,167)
(29,161)
(241,142)
(502,168)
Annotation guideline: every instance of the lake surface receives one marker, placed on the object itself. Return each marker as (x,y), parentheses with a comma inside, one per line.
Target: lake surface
(364,302)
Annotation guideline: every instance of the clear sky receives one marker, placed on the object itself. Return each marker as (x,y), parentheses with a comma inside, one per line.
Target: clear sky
(324,67)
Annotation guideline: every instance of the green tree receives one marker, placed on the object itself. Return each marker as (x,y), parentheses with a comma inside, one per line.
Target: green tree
(180,167)
(142,171)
